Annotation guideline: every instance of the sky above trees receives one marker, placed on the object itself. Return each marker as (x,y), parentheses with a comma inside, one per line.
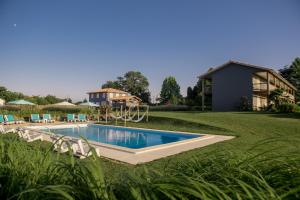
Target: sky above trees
(68,48)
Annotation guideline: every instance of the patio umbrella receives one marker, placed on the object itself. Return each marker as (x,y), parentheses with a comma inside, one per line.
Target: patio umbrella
(64,103)
(89,104)
(20,102)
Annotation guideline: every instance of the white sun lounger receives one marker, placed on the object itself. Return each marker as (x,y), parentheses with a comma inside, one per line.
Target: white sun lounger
(60,145)
(82,150)
(30,136)
(3,131)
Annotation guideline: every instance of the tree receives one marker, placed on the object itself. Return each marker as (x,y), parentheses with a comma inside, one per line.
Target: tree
(136,84)
(292,74)
(52,99)
(112,84)
(190,93)
(190,98)
(133,82)
(10,96)
(275,96)
(170,91)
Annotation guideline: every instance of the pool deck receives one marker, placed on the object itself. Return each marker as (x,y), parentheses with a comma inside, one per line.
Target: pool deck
(143,155)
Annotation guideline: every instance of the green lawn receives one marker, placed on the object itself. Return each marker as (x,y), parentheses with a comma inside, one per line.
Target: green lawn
(255,132)
(261,162)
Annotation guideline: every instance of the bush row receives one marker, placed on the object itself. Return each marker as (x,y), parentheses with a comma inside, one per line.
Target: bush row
(174,108)
(288,108)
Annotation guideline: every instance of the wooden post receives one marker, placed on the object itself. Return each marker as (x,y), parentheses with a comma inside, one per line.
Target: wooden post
(116,116)
(125,116)
(268,88)
(128,112)
(203,94)
(106,115)
(147,113)
(121,110)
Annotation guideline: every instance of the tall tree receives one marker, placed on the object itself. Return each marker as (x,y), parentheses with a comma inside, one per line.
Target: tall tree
(113,84)
(292,74)
(137,84)
(170,91)
(133,82)
(190,93)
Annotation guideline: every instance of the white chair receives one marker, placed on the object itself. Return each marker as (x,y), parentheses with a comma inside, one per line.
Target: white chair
(30,136)
(82,150)
(3,131)
(60,145)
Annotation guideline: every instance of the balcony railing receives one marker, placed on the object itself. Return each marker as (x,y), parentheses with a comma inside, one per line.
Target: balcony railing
(260,86)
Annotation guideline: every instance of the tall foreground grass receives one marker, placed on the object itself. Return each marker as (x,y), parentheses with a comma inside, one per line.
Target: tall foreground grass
(35,172)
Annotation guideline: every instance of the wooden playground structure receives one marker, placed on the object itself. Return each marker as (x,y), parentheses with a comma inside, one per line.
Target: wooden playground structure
(132,113)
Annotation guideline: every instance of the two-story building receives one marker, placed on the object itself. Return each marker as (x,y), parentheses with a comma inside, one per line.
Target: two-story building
(225,85)
(113,97)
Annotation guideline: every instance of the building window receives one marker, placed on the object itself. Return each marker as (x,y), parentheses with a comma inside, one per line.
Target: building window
(97,95)
(92,95)
(103,95)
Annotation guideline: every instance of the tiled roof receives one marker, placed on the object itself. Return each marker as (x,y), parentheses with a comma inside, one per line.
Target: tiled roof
(109,90)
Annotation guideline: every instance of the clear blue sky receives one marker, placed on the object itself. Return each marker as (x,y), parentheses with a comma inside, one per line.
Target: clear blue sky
(69,47)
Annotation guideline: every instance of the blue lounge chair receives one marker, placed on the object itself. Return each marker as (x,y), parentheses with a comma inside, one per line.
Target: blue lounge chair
(35,118)
(71,118)
(2,119)
(10,119)
(47,118)
(82,118)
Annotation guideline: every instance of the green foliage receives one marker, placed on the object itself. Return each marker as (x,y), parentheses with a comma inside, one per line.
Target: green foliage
(194,97)
(170,108)
(170,91)
(113,84)
(10,96)
(279,103)
(288,108)
(34,171)
(275,97)
(245,104)
(10,108)
(292,74)
(104,109)
(133,82)
(63,109)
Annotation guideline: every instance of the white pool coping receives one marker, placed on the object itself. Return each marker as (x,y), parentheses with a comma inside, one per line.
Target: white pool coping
(141,155)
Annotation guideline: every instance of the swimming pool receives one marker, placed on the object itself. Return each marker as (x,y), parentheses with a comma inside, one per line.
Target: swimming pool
(124,137)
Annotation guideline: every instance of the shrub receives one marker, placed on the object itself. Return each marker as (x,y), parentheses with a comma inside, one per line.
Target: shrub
(10,108)
(245,104)
(63,109)
(287,108)
(170,108)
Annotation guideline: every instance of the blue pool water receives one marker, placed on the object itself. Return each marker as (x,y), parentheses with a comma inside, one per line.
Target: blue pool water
(124,137)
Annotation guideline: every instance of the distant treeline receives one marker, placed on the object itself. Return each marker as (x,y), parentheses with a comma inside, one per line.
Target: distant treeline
(10,96)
